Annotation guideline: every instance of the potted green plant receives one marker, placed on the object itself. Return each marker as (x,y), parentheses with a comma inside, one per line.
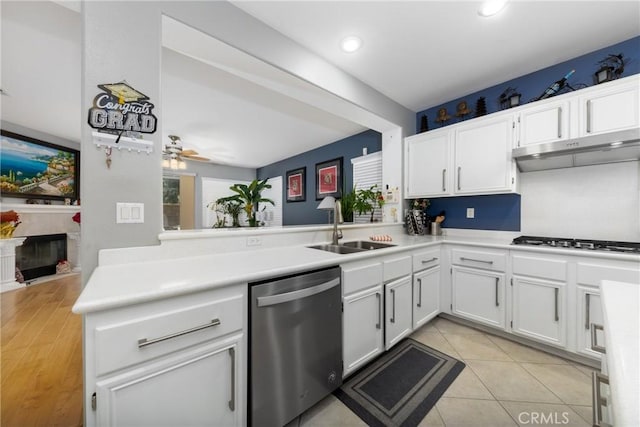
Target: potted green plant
(249,196)
(367,200)
(346,205)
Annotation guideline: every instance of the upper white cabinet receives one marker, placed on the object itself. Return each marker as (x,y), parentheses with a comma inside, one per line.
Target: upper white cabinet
(611,107)
(463,159)
(548,122)
(427,164)
(483,161)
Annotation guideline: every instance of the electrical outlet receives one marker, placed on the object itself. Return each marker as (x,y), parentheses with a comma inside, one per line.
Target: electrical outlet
(471,213)
(254,241)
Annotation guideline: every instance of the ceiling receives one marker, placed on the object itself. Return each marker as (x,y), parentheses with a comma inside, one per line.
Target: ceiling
(418,53)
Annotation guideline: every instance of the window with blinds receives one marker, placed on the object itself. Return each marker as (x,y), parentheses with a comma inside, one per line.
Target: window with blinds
(367,171)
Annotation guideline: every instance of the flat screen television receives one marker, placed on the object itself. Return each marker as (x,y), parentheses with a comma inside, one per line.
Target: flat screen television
(34,169)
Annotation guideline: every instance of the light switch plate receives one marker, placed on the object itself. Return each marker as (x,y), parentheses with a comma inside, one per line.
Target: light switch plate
(471,213)
(129,213)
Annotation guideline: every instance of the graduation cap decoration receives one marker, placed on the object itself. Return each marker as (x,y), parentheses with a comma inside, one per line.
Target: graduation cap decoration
(123,92)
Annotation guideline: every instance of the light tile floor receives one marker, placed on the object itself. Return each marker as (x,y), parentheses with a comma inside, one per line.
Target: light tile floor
(503,384)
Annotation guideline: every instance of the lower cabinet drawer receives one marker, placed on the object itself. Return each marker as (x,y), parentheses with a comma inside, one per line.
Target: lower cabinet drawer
(393,268)
(136,340)
(486,259)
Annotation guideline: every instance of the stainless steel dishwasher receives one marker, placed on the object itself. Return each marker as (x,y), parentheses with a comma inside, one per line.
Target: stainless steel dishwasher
(295,344)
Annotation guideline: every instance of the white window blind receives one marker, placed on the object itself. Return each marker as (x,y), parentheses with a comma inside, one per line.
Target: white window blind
(367,171)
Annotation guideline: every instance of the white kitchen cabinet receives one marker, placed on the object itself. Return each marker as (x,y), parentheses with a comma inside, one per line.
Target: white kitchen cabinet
(589,310)
(398,317)
(427,170)
(483,162)
(197,387)
(539,297)
(611,107)
(589,274)
(363,322)
(548,122)
(539,310)
(173,361)
(426,295)
(478,295)
(363,312)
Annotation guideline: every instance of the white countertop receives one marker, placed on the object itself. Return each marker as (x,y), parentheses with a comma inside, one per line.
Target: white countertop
(118,285)
(622,332)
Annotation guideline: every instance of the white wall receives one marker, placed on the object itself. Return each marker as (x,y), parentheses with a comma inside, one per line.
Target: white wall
(592,202)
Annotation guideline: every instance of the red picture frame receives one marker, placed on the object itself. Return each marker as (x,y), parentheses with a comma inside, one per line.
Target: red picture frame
(296,185)
(329,179)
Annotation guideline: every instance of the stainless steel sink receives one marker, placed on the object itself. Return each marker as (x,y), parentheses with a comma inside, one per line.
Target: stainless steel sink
(367,245)
(337,249)
(352,247)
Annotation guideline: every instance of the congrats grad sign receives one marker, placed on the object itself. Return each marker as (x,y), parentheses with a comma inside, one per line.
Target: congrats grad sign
(121,108)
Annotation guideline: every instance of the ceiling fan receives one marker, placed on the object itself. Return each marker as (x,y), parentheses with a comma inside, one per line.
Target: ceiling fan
(175,151)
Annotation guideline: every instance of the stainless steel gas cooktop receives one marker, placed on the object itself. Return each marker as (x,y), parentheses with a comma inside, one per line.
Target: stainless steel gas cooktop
(594,245)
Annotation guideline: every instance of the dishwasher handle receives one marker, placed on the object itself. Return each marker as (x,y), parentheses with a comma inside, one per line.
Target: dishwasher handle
(299,294)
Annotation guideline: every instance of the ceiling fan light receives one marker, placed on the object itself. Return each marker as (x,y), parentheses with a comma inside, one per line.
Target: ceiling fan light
(173,163)
(165,163)
(491,7)
(350,44)
(182,165)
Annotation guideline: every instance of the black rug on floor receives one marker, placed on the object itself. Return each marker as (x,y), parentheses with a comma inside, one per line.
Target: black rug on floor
(401,386)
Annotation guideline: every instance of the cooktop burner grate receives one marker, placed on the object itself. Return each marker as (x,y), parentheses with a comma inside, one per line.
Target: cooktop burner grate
(594,245)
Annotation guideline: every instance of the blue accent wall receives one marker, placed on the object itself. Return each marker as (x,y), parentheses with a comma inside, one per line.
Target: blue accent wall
(534,84)
(492,212)
(300,213)
(502,211)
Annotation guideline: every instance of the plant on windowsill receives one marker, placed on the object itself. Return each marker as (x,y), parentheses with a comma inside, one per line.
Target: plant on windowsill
(346,205)
(367,200)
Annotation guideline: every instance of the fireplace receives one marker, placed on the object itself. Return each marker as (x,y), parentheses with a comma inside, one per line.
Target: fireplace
(39,255)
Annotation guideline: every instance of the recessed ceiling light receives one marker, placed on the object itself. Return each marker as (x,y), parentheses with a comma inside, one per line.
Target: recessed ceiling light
(491,7)
(351,44)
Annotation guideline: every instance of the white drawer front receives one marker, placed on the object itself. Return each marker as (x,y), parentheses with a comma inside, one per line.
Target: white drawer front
(593,274)
(426,259)
(490,260)
(535,266)
(118,346)
(396,267)
(360,277)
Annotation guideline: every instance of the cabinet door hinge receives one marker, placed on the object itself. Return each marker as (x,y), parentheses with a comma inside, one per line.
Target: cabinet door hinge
(451,306)
(451,270)
(513,180)
(94,401)
(512,281)
(512,323)
(342,307)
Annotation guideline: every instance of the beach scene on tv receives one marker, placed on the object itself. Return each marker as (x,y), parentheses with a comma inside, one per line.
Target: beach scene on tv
(27,168)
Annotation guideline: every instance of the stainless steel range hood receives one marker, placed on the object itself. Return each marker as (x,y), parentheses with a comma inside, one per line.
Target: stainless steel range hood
(612,147)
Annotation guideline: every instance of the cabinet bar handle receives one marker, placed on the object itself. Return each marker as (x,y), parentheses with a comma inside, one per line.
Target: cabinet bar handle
(393,306)
(587,311)
(143,342)
(379,309)
(559,122)
(557,316)
(419,292)
(427,261)
(459,168)
(475,260)
(594,338)
(232,402)
(444,173)
(589,116)
(598,401)
(497,301)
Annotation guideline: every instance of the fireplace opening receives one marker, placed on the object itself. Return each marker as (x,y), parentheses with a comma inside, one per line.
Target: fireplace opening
(39,255)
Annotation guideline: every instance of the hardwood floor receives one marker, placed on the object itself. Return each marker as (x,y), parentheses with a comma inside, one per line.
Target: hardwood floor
(41,356)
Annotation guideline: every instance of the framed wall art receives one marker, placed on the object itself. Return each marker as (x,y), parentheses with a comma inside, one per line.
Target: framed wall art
(329,179)
(35,169)
(296,185)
